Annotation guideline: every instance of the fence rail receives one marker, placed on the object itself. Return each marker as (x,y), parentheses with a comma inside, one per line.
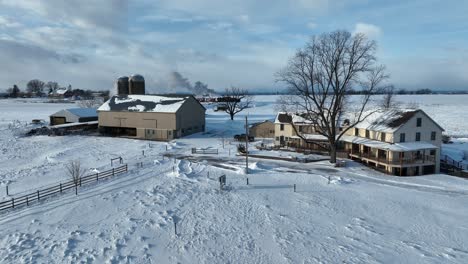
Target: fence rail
(36,196)
(204,151)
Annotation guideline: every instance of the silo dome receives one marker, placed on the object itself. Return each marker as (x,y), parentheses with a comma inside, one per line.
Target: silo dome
(136,84)
(137,78)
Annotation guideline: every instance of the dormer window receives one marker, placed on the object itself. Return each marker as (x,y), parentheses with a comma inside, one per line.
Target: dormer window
(367,133)
(356,131)
(382,137)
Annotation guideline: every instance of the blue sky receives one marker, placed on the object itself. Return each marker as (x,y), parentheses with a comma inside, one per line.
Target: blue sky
(88,43)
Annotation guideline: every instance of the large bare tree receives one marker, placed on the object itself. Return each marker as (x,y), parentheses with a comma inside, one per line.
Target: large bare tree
(236,100)
(320,76)
(35,86)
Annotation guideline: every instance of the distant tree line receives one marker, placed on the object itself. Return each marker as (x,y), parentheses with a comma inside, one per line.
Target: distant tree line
(38,88)
(399,91)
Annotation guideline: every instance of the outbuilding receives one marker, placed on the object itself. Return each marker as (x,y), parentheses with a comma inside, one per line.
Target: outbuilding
(73,115)
(265,129)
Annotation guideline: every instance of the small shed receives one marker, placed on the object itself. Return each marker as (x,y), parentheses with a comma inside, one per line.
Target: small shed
(265,129)
(73,115)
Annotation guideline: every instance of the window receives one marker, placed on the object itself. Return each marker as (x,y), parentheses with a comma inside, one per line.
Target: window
(418,122)
(382,137)
(367,134)
(433,152)
(402,137)
(277,138)
(282,127)
(300,129)
(433,135)
(418,136)
(272,131)
(356,131)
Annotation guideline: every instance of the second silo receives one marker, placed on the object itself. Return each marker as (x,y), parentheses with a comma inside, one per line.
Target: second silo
(136,84)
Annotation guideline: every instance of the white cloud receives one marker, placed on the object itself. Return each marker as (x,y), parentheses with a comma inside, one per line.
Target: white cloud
(311,25)
(370,30)
(8,22)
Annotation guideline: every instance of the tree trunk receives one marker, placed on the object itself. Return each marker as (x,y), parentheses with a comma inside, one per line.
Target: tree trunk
(332,153)
(232,116)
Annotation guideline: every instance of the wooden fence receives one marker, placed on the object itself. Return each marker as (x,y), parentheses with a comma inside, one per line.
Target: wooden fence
(204,151)
(36,196)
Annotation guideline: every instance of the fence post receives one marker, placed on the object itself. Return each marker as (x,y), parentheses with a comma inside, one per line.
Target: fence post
(175,227)
(38,195)
(247,181)
(80,181)
(13,202)
(126,168)
(294,187)
(97,176)
(112,171)
(7,190)
(27,200)
(76,189)
(328,179)
(60,187)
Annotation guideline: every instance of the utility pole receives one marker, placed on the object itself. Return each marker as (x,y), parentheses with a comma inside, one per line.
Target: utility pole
(246,146)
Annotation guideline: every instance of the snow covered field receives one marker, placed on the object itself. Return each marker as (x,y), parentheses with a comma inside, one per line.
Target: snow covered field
(361,216)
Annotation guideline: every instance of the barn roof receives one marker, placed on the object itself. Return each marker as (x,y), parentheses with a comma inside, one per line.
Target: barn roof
(144,103)
(79,112)
(83,112)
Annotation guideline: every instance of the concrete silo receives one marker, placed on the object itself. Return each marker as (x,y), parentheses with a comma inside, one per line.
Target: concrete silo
(122,85)
(136,84)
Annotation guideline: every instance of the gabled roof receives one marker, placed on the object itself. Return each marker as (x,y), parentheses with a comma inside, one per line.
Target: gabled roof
(259,123)
(83,112)
(79,112)
(287,118)
(144,103)
(391,120)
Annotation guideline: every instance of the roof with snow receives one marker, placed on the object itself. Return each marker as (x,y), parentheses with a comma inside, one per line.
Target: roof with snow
(404,146)
(144,103)
(315,137)
(296,118)
(390,121)
(59,91)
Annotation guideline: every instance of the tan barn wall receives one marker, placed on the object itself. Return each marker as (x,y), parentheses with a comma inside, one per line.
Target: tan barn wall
(190,117)
(263,130)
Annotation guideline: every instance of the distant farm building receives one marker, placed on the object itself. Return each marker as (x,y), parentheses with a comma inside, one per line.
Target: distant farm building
(61,93)
(73,115)
(153,117)
(265,129)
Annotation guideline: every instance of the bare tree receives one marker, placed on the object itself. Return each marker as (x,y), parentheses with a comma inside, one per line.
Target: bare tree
(75,171)
(35,86)
(388,100)
(236,100)
(320,76)
(93,103)
(14,91)
(51,86)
